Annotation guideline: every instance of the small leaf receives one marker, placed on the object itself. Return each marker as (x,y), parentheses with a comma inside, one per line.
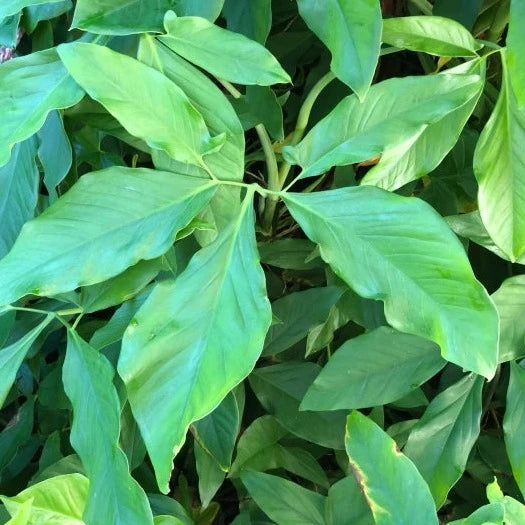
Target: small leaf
(224,54)
(286,503)
(252,19)
(171,353)
(114,496)
(440,443)
(137,215)
(413,262)
(165,119)
(514,424)
(383,474)
(435,35)
(373,369)
(351,29)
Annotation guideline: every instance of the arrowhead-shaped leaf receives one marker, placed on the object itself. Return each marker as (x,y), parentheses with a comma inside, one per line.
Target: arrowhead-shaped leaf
(114,496)
(77,242)
(399,250)
(184,351)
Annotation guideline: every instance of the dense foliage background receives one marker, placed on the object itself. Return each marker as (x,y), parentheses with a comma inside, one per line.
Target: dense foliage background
(261,262)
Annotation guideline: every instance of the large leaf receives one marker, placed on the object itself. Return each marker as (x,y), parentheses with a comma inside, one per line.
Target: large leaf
(59,500)
(440,442)
(421,154)
(165,118)
(30,87)
(252,18)
(516,50)
(395,112)
(398,250)
(219,115)
(183,352)
(114,496)
(122,17)
(223,53)
(510,303)
(374,369)
(431,34)
(11,357)
(210,9)
(77,242)
(514,424)
(351,29)
(286,503)
(19,180)
(386,476)
(10,7)
(499,165)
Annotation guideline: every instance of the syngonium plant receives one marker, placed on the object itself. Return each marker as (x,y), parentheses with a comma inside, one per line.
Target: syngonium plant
(247,236)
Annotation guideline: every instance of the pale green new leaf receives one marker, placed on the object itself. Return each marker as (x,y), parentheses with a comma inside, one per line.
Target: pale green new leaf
(421,154)
(435,35)
(440,442)
(30,87)
(121,17)
(19,180)
(114,496)
(386,476)
(12,356)
(351,30)
(59,500)
(252,18)
(22,515)
(399,250)
(510,303)
(184,351)
(165,118)
(514,424)
(516,50)
(223,53)
(285,502)
(499,165)
(107,222)
(207,98)
(395,113)
(373,369)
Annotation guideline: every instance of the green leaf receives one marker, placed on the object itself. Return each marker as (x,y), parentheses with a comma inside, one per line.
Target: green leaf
(384,474)
(516,50)
(210,9)
(211,475)
(54,152)
(12,356)
(59,500)
(33,14)
(465,12)
(280,389)
(252,18)
(351,30)
(435,35)
(510,303)
(514,424)
(114,496)
(31,86)
(421,154)
(217,432)
(299,312)
(290,254)
(223,53)
(395,113)
(165,118)
(137,215)
(286,503)
(414,263)
(9,31)
(10,7)
(19,180)
(499,165)
(207,98)
(347,504)
(22,515)
(108,17)
(440,442)
(178,340)
(373,369)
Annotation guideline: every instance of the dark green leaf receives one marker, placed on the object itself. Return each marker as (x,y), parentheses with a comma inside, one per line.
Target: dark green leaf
(252,18)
